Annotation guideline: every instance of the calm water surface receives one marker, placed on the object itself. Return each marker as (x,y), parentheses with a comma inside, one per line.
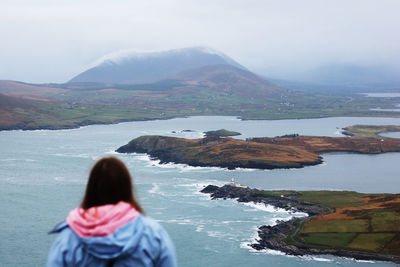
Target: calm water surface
(43,175)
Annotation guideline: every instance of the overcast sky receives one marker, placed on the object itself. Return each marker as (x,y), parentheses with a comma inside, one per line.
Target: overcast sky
(53,40)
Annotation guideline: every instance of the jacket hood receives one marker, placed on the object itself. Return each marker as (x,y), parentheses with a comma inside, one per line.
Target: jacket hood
(101,220)
(107,231)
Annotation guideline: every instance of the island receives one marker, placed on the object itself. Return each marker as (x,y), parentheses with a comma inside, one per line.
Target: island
(340,223)
(288,151)
(221,133)
(371,131)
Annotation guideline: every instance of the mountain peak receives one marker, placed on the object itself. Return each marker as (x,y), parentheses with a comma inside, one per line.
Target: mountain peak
(132,67)
(128,54)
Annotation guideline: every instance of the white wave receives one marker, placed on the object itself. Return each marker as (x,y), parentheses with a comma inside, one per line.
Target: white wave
(171,165)
(245,169)
(150,162)
(276,252)
(164,165)
(238,221)
(364,261)
(41,131)
(143,157)
(199,228)
(155,189)
(111,152)
(215,234)
(263,207)
(177,221)
(186,168)
(60,155)
(185,185)
(246,245)
(198,186)
(314,258)
(178,166)
(85,156)
(69,181)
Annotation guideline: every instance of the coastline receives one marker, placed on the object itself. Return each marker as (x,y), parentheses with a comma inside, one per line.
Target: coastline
(83,124)
(239,117)
(280,237)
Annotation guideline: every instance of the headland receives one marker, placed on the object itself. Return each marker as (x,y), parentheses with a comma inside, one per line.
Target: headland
(288,151)
(340,223)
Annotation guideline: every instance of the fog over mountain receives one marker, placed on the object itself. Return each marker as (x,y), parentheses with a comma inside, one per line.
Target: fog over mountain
(349,75)
(52,42)
(150,67)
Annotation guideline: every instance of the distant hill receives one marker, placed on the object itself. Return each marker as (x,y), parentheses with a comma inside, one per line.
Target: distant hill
(229,80)
(151,67)
(221,79)
(8,87)
(11,102)
(8,104)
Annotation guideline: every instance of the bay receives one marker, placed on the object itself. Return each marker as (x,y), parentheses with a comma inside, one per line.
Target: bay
(43,175)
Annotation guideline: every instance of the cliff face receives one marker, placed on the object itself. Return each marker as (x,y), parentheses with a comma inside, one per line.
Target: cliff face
(152,144)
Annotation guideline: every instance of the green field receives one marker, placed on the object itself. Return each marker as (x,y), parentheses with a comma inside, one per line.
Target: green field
(336,226)
(369,222)
(338,240)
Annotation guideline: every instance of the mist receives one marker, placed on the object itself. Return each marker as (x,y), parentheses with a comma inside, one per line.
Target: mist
(44,41)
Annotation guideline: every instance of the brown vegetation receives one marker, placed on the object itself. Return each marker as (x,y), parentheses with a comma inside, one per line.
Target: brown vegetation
(320,144)
(262,153)
(19,88)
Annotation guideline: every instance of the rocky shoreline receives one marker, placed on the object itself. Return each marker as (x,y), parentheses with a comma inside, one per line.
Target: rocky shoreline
(276,237)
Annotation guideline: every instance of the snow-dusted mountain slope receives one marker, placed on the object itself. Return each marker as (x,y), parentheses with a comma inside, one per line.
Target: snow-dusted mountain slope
(150,67)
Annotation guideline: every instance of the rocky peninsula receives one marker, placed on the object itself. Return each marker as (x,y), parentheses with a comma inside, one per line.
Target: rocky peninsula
(289,151)
(340,223)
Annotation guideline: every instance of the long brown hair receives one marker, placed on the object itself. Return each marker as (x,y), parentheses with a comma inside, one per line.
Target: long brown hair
(109,183)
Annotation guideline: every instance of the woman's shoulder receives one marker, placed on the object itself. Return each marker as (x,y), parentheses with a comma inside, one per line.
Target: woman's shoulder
(165,247)
(151,223)
(147,226)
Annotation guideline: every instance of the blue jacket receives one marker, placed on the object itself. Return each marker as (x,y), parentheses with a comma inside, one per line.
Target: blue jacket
(140,242)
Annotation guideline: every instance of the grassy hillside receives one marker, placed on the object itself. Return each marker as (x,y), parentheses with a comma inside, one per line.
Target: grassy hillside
(371,131)
(208,91)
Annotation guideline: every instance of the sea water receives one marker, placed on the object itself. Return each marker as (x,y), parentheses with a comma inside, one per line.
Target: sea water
(43,175)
